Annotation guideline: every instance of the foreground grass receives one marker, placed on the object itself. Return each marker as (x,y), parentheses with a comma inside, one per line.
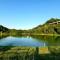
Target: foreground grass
(28,53)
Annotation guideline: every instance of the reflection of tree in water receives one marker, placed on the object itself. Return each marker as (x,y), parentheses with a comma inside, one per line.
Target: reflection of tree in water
(54,42)
(1,37)
(49,40)
(44,38)
(57,38)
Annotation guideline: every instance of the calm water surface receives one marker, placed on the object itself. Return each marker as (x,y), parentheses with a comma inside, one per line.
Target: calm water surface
(21,41)
(40,41)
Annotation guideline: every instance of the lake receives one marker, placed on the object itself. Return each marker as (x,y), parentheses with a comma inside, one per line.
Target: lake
(40,41)
(21,41)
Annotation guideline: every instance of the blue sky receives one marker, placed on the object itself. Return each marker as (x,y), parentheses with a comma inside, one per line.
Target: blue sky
(26,14)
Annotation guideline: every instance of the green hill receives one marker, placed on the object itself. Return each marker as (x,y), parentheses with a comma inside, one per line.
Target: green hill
(52,26)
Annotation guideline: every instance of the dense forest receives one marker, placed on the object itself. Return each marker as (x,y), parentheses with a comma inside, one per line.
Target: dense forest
(52,26)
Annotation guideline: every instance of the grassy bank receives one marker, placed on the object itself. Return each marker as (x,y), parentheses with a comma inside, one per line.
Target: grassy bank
(28,53)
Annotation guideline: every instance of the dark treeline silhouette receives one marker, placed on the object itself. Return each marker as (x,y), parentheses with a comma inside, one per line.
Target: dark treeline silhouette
(3,29)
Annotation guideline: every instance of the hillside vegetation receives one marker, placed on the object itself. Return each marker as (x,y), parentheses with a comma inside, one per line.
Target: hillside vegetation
(52,26)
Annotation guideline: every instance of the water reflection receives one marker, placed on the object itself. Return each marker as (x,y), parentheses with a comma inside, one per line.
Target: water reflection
(1,37)
(21,41)
(51,40)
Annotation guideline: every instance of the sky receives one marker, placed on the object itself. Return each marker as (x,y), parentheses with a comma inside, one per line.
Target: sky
(26,14)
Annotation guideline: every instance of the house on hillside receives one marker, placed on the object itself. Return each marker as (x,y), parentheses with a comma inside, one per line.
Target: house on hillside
(57,22)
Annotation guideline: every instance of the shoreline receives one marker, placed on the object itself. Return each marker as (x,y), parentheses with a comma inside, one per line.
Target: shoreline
(47,34)
(6,34)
